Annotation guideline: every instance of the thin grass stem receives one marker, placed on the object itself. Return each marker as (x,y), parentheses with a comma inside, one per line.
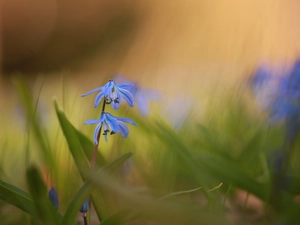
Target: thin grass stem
(226,195)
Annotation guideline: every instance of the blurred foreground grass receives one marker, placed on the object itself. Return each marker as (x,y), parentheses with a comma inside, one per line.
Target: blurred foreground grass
(213,170)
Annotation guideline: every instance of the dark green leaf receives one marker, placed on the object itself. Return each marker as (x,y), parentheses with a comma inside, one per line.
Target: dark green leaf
(17,197)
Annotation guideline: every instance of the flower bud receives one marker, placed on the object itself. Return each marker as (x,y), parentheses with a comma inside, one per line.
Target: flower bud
(85,206)
(53,196)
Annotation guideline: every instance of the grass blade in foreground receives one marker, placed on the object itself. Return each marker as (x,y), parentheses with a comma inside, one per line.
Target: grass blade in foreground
(86,189)
(34,120)
(125,216)
(18,198)
(161,211)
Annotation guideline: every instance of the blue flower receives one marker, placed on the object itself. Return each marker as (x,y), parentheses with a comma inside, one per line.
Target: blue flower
(111,124)
(112,94)
(141,95)
(283,96)
(85,206)
(53,196)
(287,101)
(265,86)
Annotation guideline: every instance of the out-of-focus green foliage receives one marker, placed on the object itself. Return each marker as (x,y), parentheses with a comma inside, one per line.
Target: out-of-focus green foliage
(185,176)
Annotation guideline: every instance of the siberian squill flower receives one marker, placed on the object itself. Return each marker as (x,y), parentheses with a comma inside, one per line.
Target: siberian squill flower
(283,96)
(284,106)
(110,124)
(112,94)
(265,86)
(141,95)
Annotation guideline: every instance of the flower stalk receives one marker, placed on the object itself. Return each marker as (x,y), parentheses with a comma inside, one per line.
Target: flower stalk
(110,93)
(93,160)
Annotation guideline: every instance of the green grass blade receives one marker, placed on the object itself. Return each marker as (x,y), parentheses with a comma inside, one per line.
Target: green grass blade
(73,142)
(33,119)
(180,193)
(18,198)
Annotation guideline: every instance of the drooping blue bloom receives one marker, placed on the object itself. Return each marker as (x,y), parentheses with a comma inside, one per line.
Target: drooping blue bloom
(141,95)
(53,196)
(287,102)
(282,98)
(284,106)
(111,124)
(85,206)
(113,94)
(265,86)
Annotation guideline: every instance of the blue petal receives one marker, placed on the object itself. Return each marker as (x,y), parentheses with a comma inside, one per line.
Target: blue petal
(127,96)
(123,129)
(92,121)
(98,99)
(96,133)
(116,105)
(127,120)
(142,105)
(112,121)
(151,95)
(106,90)
(90,92)
(129,87)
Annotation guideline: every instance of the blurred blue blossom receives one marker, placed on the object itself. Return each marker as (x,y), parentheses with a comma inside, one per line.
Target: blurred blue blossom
(141,95)
(113,94)
(142,98)
(110,124)
(281,95)
(265,86)
(53,196)
(85,206)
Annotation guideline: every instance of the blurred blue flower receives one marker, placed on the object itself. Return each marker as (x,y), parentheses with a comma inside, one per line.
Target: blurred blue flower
(281,95)
(110,124)
(113,94)
(141,95)
(53,196)
(85,206)
(265,86)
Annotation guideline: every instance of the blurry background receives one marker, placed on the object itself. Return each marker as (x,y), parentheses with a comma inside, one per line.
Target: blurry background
(191,41)
(190,51)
